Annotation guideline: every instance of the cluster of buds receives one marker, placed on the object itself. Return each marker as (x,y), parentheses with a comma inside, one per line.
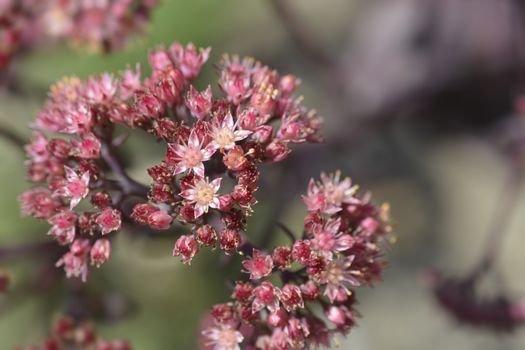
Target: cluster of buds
(97,24)
(340,249)
(69,334)
(212,144)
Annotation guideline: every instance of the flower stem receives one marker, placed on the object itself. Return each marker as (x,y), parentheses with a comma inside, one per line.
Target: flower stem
(129,185)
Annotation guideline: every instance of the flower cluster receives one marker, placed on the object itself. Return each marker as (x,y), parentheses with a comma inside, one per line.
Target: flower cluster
(100,24)
(340,249)
(69,334)
(210,169)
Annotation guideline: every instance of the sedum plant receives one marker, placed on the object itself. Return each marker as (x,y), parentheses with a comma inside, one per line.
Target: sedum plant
(294,296)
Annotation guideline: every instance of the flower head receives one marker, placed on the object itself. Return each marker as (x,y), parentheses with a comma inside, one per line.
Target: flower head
(109,220)
(258,265)
(223,337)
(338,277)
(203,195)
(328,239)
(190,155)
(199,103)
(100,252)
(224,133)
(188,60)
(74,187)
(330,194)
(186,247)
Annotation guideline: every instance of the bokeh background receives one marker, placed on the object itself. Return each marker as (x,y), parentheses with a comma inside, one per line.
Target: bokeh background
(417,96)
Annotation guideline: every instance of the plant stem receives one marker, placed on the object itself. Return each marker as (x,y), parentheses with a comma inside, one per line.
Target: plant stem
(129,185)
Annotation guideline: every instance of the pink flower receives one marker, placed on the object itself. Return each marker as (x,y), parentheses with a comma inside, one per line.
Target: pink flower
(130,82)
(159,59)
(74,187)
(199,103)
(38,202)
(338,276)
(206,235)
(101,89)
(282,257)
(277,318)
(225,133)
(230,240)
(63,229)
(88,147)
(109,220)
(203,195)
(186,247)
(330,194)
(100,252)
(235,78)
(188,60)
(291,297)
(338,191)
(258,265)
(223,337)
(265,296)
(75,261)
(38,150)
(190,156)
(340,315)
(329,240)
(78,119)
(297,330)
(314,199)
(301,251)
(74,266)
(142,211)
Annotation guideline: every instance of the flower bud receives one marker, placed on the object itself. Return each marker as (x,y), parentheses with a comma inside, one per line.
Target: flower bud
(142,211)
(206,235)
(109,220)
(100,252)
(186,247)
(278,318)
(160,220)
(230,240)
(101,200)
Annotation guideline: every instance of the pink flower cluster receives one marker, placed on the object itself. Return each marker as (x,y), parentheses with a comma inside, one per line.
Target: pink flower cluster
(69,334)
(341,249)
(101,24)
(206,181)
(209,174)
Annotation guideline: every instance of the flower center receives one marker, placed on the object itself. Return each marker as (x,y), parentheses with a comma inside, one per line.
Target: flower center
(325,241)
(335,195)
(224,137)
(76,188)
(334,275)
(192,157)
(205,194)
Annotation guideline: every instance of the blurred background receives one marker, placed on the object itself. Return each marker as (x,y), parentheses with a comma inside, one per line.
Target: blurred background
(418,98)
